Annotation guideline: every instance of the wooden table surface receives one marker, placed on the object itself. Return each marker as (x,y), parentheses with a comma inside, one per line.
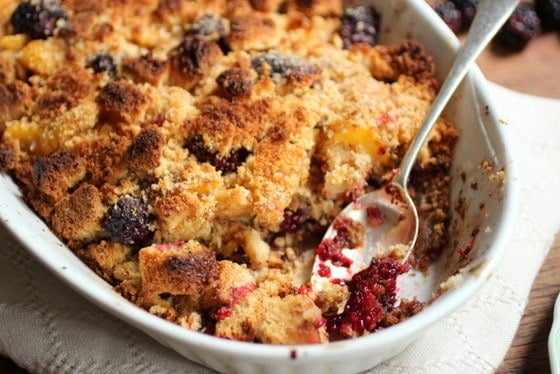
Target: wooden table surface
(534,71)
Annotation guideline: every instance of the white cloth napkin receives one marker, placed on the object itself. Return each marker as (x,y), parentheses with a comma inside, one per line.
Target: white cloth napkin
(46,327)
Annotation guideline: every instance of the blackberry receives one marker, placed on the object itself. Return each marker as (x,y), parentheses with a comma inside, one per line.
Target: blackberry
(38,19)
(209,26)
(450,15)
(549,12)
(196,146)
(293,220)
(103,62)
(128,221)
(282,66)
(359,25)
(523,26)
(227,164)
(468,10)
(230,163)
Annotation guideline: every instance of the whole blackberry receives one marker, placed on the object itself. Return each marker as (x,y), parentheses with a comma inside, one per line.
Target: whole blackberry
(523,26)
(127,222)
(103,62)
(450,15)
(468,10)
(359,25)
(38,19)
(549,12)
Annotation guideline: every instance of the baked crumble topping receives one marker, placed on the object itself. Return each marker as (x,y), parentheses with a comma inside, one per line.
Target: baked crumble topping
(192,153)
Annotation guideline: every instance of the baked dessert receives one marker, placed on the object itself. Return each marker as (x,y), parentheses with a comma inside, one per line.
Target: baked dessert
(193,152)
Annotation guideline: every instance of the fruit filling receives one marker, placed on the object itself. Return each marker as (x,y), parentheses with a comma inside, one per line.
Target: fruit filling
(372,301)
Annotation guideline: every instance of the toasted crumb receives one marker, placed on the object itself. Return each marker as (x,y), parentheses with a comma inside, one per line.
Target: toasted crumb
(182,269)
(145,151)
(121,101)
(78,215)
(56,174)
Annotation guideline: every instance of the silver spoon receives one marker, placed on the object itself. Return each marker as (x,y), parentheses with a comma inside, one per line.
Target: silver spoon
(393,218)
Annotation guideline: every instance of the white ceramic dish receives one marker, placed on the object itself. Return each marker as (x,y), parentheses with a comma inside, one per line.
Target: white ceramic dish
(487,207)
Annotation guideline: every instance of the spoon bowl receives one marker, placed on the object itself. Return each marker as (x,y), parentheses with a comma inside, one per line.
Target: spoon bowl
(391,224)
(388,215)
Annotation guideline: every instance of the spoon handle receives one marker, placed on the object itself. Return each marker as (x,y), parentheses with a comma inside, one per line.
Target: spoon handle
(490,16)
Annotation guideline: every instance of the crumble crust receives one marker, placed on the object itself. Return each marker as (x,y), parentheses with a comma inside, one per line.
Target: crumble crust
(191,152)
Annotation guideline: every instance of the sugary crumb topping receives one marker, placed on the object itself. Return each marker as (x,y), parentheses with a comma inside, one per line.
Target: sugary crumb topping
(192,153)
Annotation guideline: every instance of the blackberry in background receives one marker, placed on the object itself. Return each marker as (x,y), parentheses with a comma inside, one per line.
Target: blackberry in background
(522,26)
(39,19)
(468,10)
(450,15)
(359,25)
(549,12)
(128,221)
